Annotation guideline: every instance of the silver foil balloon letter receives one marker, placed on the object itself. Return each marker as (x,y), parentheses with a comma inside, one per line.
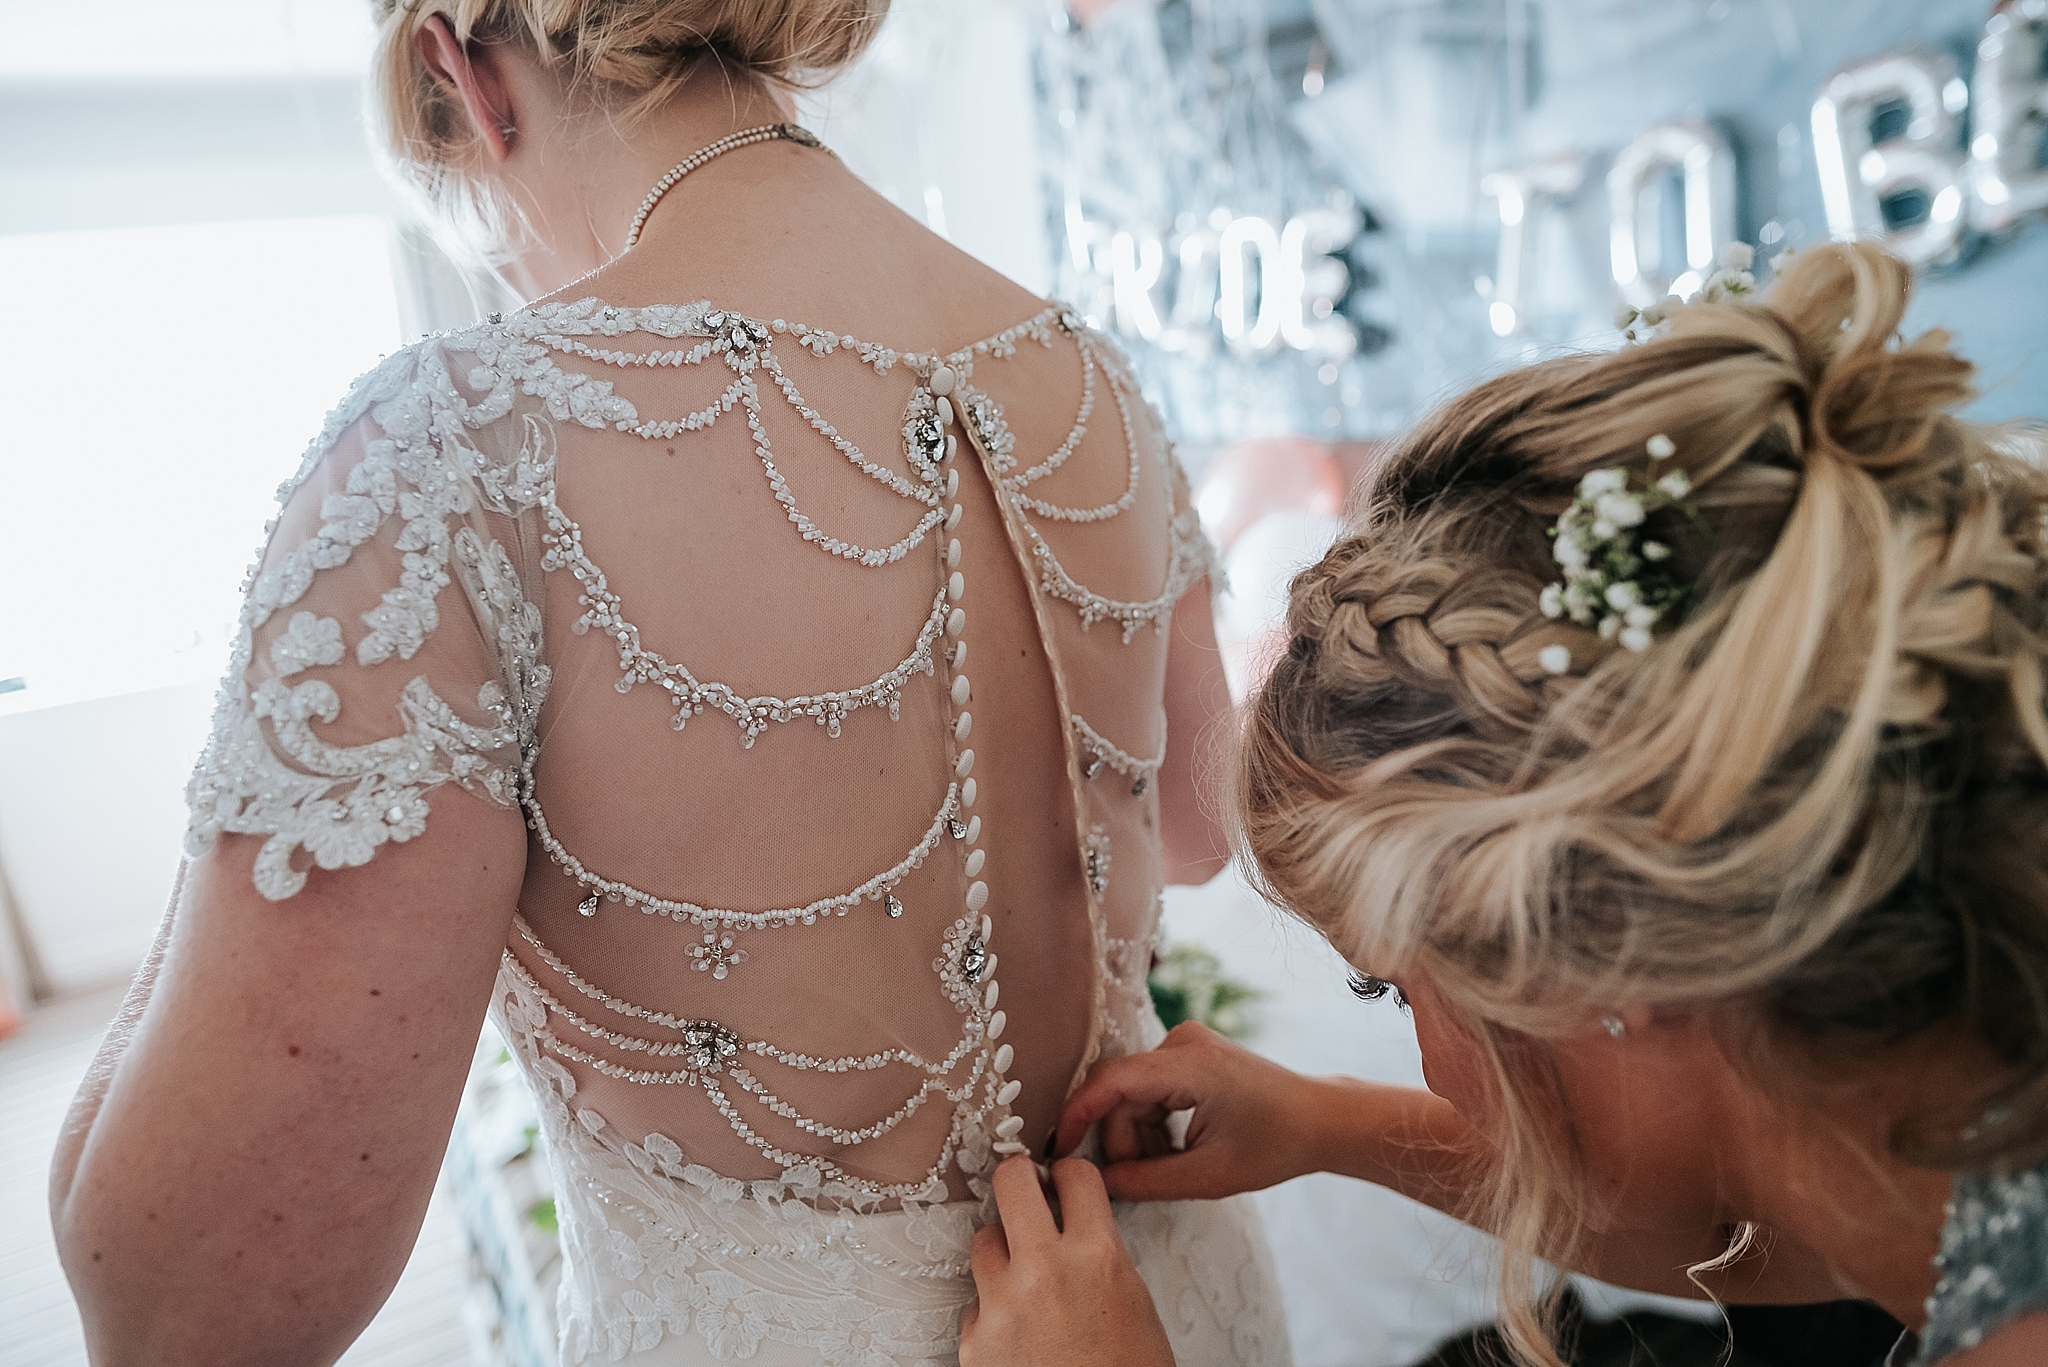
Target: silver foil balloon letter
(1134,263)
(1905,190)
(1521,194)
(1262,333)
(2011,116)
(1310,244)
(1706,165)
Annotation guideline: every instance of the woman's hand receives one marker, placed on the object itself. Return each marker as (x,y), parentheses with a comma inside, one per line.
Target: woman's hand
(1254,1122)
(1053,1297)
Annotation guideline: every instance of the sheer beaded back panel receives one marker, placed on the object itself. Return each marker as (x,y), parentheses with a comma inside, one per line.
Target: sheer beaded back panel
(839,836)
(828,677)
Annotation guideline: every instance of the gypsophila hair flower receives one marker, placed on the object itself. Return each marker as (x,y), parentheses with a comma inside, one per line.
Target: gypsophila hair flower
(1614,580)
(1732,280)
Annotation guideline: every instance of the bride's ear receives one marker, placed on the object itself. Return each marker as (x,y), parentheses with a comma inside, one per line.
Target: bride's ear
(480,85)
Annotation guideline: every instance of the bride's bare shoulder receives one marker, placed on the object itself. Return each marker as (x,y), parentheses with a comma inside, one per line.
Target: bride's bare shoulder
(832,253)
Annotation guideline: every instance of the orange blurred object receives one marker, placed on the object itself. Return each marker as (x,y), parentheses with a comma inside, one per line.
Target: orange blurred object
(1251,479)
(1086,11)
(1271,506)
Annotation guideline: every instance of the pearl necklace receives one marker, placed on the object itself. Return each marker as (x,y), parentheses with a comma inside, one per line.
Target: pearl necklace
(767,132)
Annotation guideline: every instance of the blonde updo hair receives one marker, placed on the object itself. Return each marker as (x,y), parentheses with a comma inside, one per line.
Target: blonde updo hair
(630,55)
(1816,807)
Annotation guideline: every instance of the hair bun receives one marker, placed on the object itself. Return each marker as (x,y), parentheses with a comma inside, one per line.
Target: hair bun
(637,46)
(1869,402)
(630,55)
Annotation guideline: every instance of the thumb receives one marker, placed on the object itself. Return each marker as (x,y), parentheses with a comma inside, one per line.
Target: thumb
(1193,1174)
(1150,1079)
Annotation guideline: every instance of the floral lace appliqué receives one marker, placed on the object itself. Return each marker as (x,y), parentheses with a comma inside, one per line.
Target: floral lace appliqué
(267,769)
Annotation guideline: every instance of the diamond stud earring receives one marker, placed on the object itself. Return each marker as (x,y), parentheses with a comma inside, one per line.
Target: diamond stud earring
(1613,1026)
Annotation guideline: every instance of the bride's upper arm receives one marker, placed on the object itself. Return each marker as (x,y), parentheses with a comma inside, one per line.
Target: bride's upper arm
(1197,704)
(258,1158)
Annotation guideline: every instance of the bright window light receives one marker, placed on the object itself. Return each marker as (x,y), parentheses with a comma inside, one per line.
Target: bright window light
(160,382)
(191,38)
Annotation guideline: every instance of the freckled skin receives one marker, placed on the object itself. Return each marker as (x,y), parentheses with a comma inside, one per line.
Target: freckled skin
(203,1119)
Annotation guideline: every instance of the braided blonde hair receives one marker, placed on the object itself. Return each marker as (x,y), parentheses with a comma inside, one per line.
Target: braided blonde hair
(631,55)
(1819,805)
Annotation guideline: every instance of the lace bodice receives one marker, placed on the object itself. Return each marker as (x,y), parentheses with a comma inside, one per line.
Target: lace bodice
(826,677)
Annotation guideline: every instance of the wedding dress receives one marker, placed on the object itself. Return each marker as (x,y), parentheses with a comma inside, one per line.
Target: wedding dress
(827,677)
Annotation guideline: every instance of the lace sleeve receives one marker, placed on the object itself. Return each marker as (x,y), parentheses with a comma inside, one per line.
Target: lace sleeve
(386,647)
(1206,562)
(1195,556)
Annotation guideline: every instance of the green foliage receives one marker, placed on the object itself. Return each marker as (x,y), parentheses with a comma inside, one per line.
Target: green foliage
(1188,984)
(542,1213)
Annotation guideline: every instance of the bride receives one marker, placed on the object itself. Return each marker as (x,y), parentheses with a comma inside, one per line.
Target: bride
(764,676)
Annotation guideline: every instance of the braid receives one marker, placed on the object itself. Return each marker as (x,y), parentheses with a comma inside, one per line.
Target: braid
(1821,792)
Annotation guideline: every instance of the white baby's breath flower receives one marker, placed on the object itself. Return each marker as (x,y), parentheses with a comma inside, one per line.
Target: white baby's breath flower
(1623,510)
(1675,484)
(1782,262)
(1656,550)
(1578,603)
(1737,256)
(1622,597)
(1635,638)
(1625,314)
(1555,659)
(1598,482)
(1568,552)
(1663,310)
(1728,285)
(1610,626)
(1661,447)
(1641,615)
(1552,600)
(1604,530)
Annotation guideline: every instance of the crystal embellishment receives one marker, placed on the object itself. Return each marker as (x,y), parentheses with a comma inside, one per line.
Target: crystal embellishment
(711,1046)
(974,958)
(924,438)
(893,904)
(1098,859)
(716,955)
(588,906)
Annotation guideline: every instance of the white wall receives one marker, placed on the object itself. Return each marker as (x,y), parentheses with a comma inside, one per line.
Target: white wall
(91,813)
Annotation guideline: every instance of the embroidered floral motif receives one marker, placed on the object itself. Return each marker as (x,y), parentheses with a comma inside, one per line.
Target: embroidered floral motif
(267,770)
(307,642)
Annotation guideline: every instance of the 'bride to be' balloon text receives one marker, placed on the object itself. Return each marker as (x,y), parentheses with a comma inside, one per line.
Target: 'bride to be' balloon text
(1258,285)
(1888,149)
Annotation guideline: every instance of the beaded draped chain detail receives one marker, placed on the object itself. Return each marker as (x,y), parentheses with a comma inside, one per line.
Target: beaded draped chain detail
(924,476)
